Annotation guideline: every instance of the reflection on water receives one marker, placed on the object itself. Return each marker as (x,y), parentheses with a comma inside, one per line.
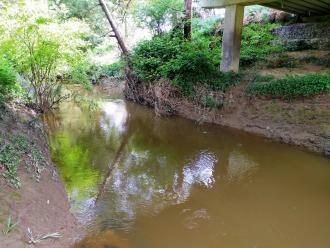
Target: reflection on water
(239,166)
(167,182)
(114,116)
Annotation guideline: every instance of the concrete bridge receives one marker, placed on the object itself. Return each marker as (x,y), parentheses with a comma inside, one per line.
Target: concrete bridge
(232,33)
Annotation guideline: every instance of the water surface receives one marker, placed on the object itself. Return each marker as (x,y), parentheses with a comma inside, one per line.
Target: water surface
(159,182)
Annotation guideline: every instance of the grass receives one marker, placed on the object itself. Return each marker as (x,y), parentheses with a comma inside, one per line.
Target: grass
(9,226)
(290,87)
(13,151)
(211,102)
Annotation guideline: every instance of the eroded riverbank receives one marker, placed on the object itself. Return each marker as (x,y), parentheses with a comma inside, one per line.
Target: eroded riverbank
(304,122)
(41,202)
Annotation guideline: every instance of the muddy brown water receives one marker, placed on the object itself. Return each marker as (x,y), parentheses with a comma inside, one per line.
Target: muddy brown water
(138,180)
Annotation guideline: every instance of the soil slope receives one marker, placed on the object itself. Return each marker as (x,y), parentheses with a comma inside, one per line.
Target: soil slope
(41,206)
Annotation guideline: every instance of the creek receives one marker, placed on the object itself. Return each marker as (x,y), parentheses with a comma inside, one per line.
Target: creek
(159,182)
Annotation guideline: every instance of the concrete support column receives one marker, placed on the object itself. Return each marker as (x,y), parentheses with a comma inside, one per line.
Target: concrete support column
(232,35)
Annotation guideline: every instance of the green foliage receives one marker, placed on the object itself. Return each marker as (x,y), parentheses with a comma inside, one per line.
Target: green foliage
(10,159)
(41,48)
(41,56)
(149,56)
(257,39)
(83,72)
(7,78)
(80,9)
(115,69)
(257,42)
(74,161)
(290,87)
(205,27)
(86,102)
(11,154)
(184,63)
(10,226)
(157,15)
(211,102)
(90,11)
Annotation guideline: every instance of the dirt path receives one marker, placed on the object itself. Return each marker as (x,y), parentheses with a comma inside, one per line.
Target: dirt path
(41,206)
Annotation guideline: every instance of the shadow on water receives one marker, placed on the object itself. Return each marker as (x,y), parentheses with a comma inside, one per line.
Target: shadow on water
(155,181)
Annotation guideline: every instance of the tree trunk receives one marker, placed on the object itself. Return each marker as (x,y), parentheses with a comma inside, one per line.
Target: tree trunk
(113,165)
(116,32)
(187,19)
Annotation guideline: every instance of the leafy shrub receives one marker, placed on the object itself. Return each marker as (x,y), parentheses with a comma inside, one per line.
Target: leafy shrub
(290,87)
(42,48)
(113,70)
(257,39)
(257,42)
(83,72)
(207,26)
(157,15)
(149,56)
(184,63)
(7,78)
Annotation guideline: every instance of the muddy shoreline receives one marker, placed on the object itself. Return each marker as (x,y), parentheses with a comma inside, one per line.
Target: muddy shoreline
(304,123)
(40,205)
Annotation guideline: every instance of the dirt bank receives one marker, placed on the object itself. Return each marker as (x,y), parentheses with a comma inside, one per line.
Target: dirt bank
(303,122)
(41,203)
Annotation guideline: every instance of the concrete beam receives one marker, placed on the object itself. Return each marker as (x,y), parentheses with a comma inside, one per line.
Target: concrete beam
(232,36)
(211,4)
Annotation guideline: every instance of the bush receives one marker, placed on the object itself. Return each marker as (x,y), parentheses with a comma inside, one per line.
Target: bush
(7,79)
(113,70)
(290,87)
(149,56)
(257,42)
(157,15)
(184,63)
(257,39)
(84,72)
(42,49)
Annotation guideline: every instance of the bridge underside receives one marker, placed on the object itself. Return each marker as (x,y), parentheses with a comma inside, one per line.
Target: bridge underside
(234,21)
